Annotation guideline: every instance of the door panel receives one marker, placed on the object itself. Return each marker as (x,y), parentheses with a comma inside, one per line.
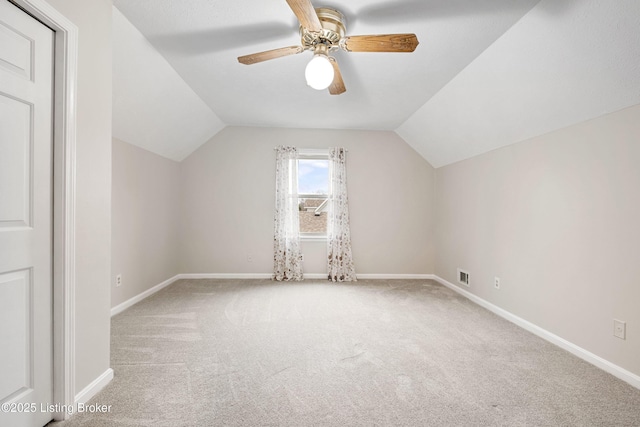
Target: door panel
(26,75)
(15,163)
(15,323)
(15,52)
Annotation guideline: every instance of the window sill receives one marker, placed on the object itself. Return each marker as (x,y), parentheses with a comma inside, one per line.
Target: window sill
(312,238)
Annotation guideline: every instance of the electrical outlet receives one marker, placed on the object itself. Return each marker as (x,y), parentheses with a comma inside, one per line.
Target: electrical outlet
(302,257)
(249,258)
(496,282)
(119,280)
(619,329)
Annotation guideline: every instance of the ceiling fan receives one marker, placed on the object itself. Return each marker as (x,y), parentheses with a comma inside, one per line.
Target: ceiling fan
(322,30)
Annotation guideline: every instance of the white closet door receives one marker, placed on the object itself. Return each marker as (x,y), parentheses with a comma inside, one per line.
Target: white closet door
(26,121)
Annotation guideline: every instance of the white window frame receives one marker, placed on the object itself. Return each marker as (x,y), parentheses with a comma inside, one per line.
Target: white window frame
(311,154)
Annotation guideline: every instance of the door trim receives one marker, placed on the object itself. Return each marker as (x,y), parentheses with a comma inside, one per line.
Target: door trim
(64,195)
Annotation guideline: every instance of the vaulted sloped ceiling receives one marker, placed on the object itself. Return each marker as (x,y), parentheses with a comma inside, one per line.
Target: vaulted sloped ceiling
(153,107)
(563,63)
(487,73)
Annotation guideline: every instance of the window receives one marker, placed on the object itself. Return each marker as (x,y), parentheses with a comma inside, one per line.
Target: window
(313,192)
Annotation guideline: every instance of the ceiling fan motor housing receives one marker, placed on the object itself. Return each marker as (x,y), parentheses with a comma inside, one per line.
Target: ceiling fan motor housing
(333,30)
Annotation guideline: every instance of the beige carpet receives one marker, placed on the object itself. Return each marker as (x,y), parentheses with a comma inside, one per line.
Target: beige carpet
(404,352)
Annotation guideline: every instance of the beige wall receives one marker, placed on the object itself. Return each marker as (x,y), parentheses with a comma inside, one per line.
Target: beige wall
(93,185)
(228,188)
(145,218)
(557,218)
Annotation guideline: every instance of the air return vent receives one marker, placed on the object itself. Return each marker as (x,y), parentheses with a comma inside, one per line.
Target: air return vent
(464,277)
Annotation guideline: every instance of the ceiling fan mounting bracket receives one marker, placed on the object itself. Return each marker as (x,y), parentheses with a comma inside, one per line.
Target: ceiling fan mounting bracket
(333,30)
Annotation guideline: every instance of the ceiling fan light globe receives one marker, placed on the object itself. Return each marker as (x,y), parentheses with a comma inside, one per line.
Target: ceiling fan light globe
(319,72)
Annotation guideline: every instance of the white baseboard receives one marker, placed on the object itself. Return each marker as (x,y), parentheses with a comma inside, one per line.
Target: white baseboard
(306,276)
(128,303)
(225,276)
(316,276)
(580,352)
(92,389)
(396,276)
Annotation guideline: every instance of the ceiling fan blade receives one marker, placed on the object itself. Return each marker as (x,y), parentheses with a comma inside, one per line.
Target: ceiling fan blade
(381,43)
(306,14)
(337,86)
(270,54)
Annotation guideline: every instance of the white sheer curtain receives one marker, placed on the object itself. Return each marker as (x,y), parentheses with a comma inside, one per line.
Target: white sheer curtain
(287,263)
(339,258)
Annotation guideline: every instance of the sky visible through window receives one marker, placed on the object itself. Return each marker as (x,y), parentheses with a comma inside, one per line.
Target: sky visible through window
(313,176)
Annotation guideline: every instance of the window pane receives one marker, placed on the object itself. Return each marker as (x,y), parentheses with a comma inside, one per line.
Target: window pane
(313,176)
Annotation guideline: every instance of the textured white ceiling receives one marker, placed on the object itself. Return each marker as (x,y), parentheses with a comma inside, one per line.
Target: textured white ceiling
(563,63)
(482,77)
(153,107)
